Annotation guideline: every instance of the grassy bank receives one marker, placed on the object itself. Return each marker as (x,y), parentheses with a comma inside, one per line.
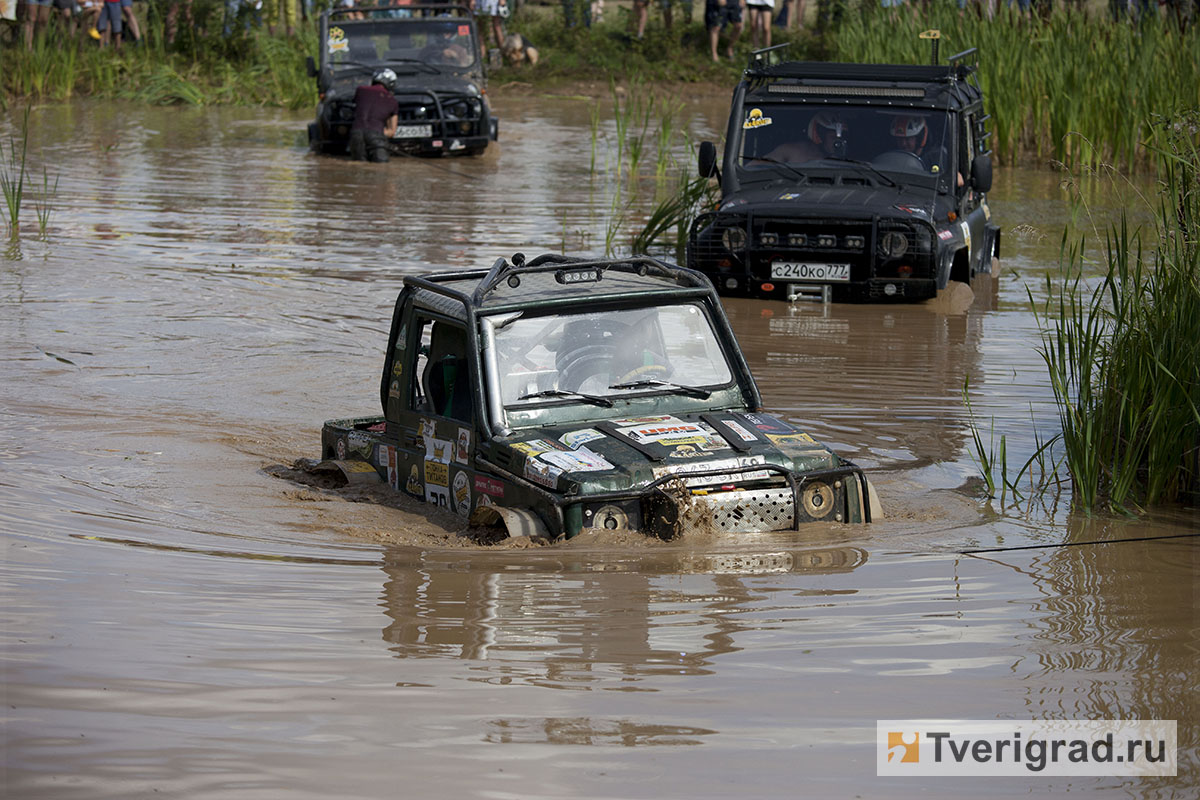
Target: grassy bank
(1080,89)
(1124,356)
(249,67)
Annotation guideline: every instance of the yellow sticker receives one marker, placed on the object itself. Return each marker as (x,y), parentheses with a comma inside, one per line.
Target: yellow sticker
(756,119)
(437,474)
(337,41)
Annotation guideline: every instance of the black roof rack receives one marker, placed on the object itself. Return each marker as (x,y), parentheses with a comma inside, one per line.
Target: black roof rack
(414,10)
(566,270)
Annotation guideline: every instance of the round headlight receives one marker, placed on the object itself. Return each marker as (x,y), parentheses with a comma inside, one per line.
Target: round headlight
(734,239)
(894,244)
(818,499)
(611,518)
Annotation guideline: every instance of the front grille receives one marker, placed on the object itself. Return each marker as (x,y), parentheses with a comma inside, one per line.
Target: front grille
(754,510)
(449,116)
(772,238)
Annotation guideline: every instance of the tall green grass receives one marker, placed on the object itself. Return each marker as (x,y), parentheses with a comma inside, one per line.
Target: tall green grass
(248,68)
(16,181)
(1123,354)
(1076,89)
(12,178)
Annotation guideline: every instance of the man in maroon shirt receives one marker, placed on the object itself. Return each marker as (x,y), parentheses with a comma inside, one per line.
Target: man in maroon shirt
(375,117)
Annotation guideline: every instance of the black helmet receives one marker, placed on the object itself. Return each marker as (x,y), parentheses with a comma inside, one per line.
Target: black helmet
(385,77)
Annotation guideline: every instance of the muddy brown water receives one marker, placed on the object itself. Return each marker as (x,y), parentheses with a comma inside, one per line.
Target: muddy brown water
(180,622)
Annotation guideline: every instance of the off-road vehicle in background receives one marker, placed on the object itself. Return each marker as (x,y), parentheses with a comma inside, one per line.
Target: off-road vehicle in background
(441,84)
(562,395)
(850,181)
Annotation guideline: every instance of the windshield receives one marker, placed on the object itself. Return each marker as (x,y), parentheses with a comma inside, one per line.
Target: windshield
(441,41)
(639,350)
(915,141)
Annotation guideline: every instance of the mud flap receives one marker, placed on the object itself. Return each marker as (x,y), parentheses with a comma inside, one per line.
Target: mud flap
(356,473)
(518,522)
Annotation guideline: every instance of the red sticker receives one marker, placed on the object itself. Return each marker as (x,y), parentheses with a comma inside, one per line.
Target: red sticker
(489,486)
(464,30)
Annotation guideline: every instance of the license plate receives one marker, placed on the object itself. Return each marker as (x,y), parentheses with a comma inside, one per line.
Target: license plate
(413,131)
(804,271)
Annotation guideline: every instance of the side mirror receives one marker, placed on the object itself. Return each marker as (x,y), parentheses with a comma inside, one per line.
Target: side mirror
(708,160)
(312,66)
(981,174)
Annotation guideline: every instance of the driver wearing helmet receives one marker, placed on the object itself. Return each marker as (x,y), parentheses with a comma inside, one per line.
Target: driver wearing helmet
(910,133)
(827,138)
(376,114)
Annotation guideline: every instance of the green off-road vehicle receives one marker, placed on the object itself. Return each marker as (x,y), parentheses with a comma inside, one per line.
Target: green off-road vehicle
(562,395)
(850,182)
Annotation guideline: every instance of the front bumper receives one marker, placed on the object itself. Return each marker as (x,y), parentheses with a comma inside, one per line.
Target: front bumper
(765,239)
(784,501)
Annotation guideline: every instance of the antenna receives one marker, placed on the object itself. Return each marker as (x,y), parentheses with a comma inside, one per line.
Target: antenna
(934,36)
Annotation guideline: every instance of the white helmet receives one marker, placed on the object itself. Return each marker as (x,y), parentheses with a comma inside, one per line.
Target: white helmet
(826,123)
(385,77)
(910,127)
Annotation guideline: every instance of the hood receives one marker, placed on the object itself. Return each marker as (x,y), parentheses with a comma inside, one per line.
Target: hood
(411,83)
(625,454)
(852,196)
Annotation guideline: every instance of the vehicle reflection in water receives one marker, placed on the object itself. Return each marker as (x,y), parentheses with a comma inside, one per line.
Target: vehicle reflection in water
(602,621)
(881,385)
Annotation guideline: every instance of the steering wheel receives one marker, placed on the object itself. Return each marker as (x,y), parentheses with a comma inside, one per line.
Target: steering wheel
(902,160)
(583,364)
(645,370)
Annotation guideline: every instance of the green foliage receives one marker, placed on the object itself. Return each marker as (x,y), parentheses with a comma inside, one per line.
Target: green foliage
(1124,355)
(248,68)
(668,223)
(608,51)
(1079,90)
(13,176)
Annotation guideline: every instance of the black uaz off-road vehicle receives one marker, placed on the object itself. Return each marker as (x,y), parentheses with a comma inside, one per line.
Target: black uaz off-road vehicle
(440,80)
(856,181)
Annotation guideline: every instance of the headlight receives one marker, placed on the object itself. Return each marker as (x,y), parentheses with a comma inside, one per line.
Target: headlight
(734,239)
(894,244)
(818,499)
(610,518)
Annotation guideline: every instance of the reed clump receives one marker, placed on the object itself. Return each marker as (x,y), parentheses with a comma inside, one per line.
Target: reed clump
(1123,353)
(1074,88)
(249,67)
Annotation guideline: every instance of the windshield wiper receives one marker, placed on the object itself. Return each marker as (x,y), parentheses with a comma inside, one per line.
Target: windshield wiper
(590,398)
(776,161)
(647,383)
(432,70)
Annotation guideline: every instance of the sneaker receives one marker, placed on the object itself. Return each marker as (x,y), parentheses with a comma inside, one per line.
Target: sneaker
(95,34)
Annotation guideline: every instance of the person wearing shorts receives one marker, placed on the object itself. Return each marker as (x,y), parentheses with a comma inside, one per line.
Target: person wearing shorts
(641,12)
(717,15)
(497,10)
(131,23)
(110,23)
(67,10)
(37,14)
(760,22)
